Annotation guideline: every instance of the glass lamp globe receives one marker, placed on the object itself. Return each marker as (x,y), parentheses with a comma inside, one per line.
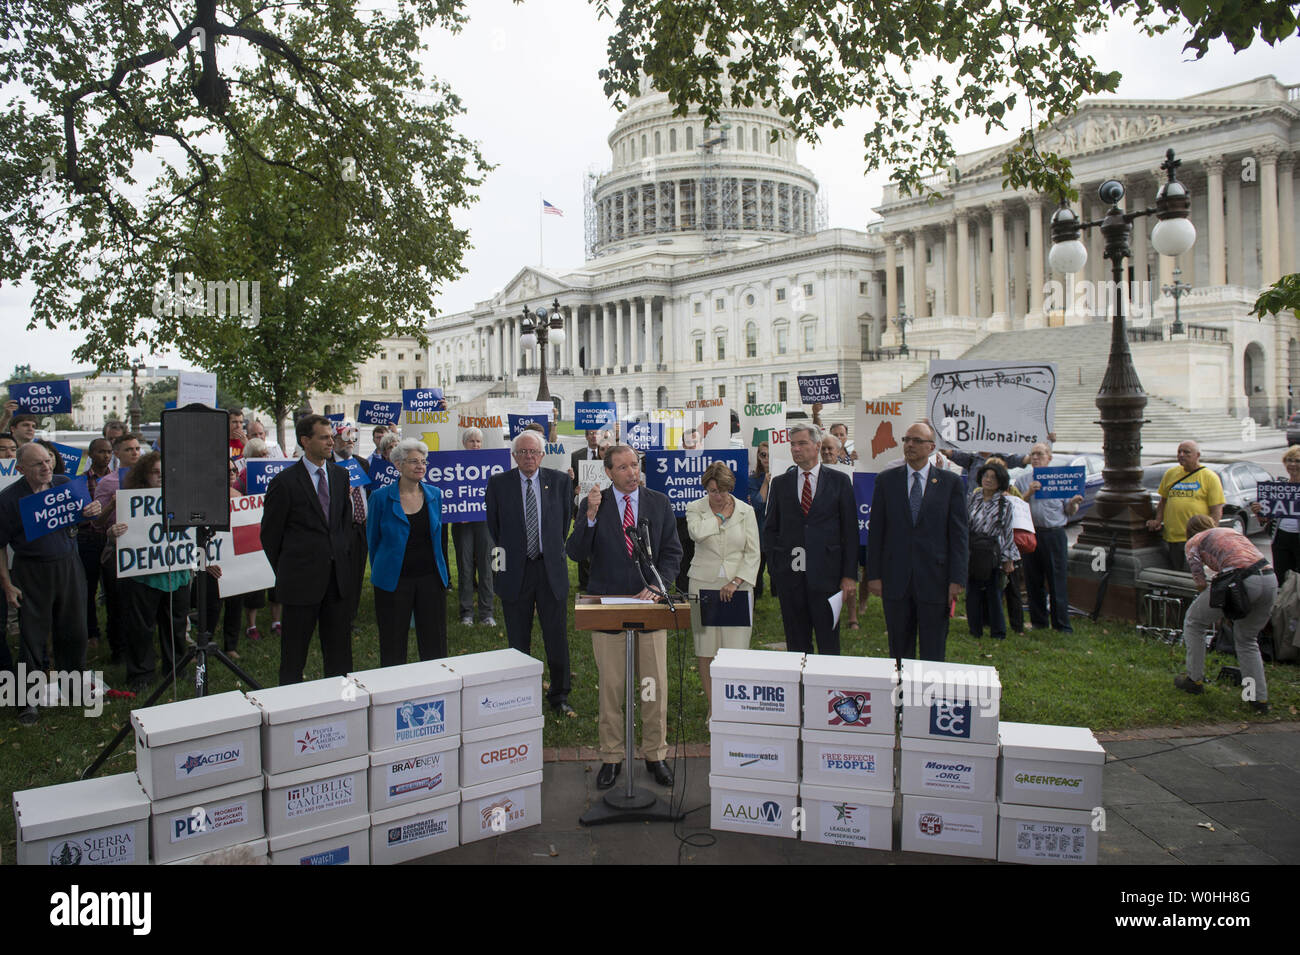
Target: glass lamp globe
(527,339)
(1067,257)
(1173,236)
(557,336)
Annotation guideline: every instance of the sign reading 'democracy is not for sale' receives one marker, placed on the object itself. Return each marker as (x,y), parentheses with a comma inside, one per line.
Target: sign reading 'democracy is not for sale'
(47,511)
(146,548)
(42,397)
(244,567)
(1279,498)
(593,415)
(379,412)
(677,474)
(819,389)
(1004,406)
(710,419)
(462,478)
(1064,482)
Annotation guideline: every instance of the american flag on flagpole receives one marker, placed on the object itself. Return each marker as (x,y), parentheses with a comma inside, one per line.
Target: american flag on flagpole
(550,209)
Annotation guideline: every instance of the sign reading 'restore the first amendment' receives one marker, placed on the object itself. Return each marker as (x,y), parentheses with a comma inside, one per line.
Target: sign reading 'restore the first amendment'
(819,389)
(42,397)
(462,477)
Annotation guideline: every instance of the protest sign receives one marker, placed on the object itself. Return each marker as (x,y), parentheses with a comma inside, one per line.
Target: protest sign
(238,551)
(259,472)
(766,422)
(674,422)
(518,423)
(544,409)
(47,511)
(423,399)
(677,474)
(492,424)
(462,477)
(644,435)
(336,418)
(196,387)
(593,415)
(1064,482)
(990,405)
(146,548)
(591,474)
(382,474)
(74,459)
(710,419)
(819,389)
(1279,498)
(879,427)
(358,476)
(556,456)
(864,485)
(8,472)
(42,397)
(379,412)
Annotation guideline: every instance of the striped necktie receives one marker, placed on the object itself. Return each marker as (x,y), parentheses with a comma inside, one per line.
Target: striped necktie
(628,521)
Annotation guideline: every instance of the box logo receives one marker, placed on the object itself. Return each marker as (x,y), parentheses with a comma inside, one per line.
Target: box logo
(106,847)
(754,697)
(930,823)
(503,704)
(1043,840)
(505,809)
(210,761)
(1048,783)
(950,719)
(766,758)
(952,827)
(415,831)
(948,777)
(417,719)
(204,822)
(339,856)
(510,755)
(834,761)
(767,815)
(320,796)
(322,739)
(848,709)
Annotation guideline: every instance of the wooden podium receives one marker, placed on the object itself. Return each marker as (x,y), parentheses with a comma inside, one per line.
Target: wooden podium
(629,804)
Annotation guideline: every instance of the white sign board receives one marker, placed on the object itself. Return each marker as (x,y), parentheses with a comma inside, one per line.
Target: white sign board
(591,473)
(243,563)
(146,548)
(710,418)
(992,406)
(878,427)
(196,386)
(766,422)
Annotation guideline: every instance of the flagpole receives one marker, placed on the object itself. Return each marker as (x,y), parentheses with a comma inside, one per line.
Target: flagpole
(541,256)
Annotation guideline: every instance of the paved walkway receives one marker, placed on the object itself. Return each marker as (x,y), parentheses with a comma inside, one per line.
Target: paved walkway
(1209,795)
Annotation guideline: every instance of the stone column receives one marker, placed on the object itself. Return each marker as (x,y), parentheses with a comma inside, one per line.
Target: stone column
(919,280)
(648,360)
(1287,213)
(1140,193)
(1035,317)
(985,268)
(909,274)
(950,269)
(1018,285)
(1214,208)
(999,263)
(1098,267)
(891,277)
(1233,238)
(607,335)
(1270,236)
(963,264)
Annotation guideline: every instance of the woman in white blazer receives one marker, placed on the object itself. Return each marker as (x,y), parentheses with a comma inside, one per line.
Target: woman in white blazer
(725,532)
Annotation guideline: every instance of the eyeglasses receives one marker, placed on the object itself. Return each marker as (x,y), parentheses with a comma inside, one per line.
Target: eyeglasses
(527,453)
(907,440)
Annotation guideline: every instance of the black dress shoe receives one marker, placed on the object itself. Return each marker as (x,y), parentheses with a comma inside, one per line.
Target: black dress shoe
(562,708)
(608,773)
(660,771)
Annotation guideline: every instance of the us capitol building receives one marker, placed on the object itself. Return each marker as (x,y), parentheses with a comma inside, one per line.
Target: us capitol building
(707,273)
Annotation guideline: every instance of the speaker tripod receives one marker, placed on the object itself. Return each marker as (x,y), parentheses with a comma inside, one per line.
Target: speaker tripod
(199,653)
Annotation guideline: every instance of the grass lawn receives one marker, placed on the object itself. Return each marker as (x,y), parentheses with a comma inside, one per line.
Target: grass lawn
(1103,676)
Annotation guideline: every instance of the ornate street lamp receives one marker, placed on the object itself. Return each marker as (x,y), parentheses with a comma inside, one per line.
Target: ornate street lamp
(902,321)
(542,328)
(1117,522)
(1177,290)
(134,408)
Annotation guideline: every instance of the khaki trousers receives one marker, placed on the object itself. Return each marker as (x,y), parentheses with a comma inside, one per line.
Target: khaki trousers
(610,651)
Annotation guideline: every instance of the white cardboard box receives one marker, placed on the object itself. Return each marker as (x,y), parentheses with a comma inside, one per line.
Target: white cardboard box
(840,816)
(243,853)
(1057,766)
(345,842)
(197,744)
(951,827)
(502,806)
(415,831)
(308,798)
(1038,836)
(754,751)
(195,823)
(414,773)
(307,724)
(935,767)
(848,760)
(756,686)
(754,806)
(950,701)
(411,703)
(495,752)
(499,686)
(849,694)
(102,821)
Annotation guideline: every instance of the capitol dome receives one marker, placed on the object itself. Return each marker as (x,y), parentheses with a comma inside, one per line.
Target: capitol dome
(677,183)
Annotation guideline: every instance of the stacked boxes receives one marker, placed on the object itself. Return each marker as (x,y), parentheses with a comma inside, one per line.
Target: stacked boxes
(88,822)
(1050,781)
(754,762)
(848,751)
(949,758)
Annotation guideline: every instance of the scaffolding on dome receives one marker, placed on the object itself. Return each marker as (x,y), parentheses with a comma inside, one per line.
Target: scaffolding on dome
(590,213)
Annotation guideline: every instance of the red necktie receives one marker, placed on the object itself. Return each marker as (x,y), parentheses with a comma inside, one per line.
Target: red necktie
(628,521)
(805,502)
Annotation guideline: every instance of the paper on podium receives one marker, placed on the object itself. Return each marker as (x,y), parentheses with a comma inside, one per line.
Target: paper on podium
(836,600)
(624,600)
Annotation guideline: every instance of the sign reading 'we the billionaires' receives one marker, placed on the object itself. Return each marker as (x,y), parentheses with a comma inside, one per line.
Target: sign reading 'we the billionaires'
(992,405)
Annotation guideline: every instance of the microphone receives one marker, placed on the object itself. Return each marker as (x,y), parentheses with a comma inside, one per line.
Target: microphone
(644,528)
(633,533)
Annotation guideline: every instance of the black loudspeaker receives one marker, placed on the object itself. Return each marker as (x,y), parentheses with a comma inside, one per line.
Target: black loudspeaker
(196,463)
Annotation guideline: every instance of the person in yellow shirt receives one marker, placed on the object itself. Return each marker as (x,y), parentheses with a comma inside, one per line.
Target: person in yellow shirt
(1188,488)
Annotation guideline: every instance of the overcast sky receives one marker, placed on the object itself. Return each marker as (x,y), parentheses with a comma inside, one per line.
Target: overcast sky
(527,77)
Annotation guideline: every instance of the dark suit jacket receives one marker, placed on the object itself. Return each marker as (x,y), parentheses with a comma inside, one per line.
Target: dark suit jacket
(612,570)
(505,522)
(574,458)
(298,542)
(828,534)
(930,555)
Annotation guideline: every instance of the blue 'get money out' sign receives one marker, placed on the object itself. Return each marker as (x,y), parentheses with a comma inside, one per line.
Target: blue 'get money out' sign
(379,412)
(261,470)
(48,511)
(42,397)
(1064,482)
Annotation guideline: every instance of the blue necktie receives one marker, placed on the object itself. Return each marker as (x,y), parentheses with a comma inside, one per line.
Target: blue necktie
(914,499)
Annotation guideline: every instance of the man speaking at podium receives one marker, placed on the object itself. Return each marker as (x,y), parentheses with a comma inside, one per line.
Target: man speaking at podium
(598,536)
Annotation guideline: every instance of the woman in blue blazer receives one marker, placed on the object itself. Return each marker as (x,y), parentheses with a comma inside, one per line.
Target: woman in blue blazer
(407,567)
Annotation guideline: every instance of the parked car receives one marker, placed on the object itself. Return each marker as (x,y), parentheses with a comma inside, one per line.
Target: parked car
(1293,429)
(1239,479)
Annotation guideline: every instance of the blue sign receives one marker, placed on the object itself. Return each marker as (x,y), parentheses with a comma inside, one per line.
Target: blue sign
(677,474)
(644,435)
(261,470)
(379,412)
(462,477)
(1060,482)
(1279,498)
(950,719)
(336,418)
(423,399)
(864,485)
(169,406)
(819,389)
(71,458)
(340,856)
(60,506)
(519,423)
(357,474)
(382,474)
(42,397)
(594,415)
